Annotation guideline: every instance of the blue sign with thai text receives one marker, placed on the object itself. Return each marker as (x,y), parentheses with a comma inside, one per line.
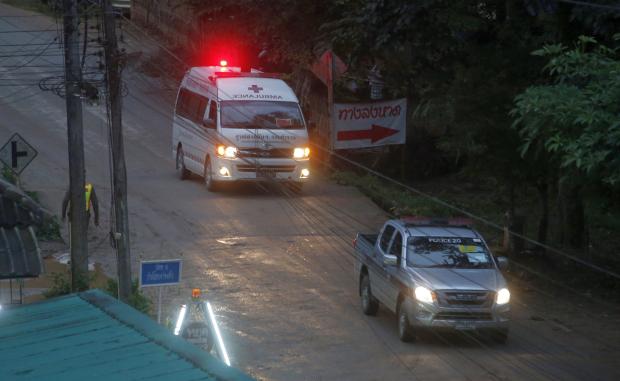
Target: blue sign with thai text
(160,273)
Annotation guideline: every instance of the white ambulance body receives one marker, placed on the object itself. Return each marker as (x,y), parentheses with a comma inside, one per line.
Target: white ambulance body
(231,126)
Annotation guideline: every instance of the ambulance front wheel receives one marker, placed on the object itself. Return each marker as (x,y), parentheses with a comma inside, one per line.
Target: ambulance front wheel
(210,183)
(182,171)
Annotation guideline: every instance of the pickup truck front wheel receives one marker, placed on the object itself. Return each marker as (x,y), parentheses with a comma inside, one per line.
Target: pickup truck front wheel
(405,330)
(370,305)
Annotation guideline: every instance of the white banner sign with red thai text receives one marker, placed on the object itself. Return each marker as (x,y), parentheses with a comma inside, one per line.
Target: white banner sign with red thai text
(363,125)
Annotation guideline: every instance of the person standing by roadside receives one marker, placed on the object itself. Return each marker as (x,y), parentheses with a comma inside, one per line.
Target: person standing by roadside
(91,203)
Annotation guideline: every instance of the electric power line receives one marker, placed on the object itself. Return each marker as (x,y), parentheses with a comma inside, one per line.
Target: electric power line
(591,5)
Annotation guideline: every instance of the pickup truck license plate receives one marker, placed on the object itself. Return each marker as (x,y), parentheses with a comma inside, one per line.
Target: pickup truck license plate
(465,326)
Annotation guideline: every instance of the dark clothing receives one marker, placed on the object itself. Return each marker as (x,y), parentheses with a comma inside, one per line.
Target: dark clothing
(94,203)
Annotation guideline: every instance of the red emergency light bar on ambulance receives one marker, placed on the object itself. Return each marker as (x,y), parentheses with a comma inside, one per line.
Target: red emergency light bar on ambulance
(231,125)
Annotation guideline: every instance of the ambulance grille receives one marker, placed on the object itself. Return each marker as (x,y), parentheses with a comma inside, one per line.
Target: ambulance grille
(266,168)
(274,153)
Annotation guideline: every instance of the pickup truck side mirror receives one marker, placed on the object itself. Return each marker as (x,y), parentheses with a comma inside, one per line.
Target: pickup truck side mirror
(389,260)
(502,263)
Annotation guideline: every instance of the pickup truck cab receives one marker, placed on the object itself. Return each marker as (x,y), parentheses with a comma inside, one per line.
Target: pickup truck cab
(433,275)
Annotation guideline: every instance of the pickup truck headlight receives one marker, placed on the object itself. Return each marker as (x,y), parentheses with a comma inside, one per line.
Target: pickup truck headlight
(503,296)
(424,295)
(301,153)
(227,152)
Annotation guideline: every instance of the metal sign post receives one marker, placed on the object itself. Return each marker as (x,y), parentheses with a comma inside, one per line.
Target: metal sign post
(160,273)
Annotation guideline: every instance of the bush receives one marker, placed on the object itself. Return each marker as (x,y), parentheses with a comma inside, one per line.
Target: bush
(391,198)
(9,175)
(49,230)
(61,285)
(137,299)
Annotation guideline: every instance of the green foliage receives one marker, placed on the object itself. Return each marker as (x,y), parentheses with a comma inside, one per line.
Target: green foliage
(49,230)
(61,285)
(390,198)
(576,117)
(137,299)
(33,195)
(9,175)
(460,63)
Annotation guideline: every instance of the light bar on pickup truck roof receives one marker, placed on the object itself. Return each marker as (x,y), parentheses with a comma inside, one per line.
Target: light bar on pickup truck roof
(429,221)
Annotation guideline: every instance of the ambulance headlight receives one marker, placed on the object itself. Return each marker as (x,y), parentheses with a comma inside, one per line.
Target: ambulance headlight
(301,153)
(227,152)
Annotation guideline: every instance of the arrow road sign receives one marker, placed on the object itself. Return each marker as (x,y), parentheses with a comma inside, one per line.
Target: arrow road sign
(367,125)
(17,153)
(375,133)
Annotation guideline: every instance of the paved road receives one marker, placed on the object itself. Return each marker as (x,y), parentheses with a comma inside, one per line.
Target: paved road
(277,267)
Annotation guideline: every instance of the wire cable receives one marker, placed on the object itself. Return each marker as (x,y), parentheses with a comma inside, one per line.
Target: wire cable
(591,5)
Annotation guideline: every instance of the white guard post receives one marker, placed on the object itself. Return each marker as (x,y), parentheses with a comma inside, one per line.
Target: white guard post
(197,324)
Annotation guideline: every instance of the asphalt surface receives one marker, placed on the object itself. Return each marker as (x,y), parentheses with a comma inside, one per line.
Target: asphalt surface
(277,266)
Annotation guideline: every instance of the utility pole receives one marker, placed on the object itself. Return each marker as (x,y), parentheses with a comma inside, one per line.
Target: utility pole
(120,227)
(330,108)
(73,90)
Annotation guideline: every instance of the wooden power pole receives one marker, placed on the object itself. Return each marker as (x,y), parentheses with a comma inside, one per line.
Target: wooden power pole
(73,90)
(120,227)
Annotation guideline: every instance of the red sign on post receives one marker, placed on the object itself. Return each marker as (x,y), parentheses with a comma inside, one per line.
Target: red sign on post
(362,125)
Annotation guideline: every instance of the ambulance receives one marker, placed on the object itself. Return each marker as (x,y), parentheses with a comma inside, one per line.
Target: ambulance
(231,126)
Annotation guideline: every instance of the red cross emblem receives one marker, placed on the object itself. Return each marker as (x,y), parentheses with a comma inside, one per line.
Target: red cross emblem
(255,89)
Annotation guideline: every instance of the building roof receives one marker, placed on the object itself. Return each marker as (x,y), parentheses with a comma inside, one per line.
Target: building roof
(92,336)
(19,251)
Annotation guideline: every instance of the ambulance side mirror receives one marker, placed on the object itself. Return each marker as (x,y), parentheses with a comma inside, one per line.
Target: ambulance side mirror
(209,124)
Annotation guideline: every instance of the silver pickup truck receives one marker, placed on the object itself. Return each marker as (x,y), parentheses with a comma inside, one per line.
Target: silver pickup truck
(433,274)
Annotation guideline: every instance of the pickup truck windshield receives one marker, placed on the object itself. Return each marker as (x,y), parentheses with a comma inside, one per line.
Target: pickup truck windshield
(262,115)
(448,252)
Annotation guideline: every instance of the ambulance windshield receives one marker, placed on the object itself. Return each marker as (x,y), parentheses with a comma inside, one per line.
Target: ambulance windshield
(261,115)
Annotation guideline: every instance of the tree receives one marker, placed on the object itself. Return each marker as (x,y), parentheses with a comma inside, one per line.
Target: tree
(575,119)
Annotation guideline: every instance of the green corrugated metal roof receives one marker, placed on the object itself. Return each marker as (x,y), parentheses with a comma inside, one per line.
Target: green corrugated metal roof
(91,336)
